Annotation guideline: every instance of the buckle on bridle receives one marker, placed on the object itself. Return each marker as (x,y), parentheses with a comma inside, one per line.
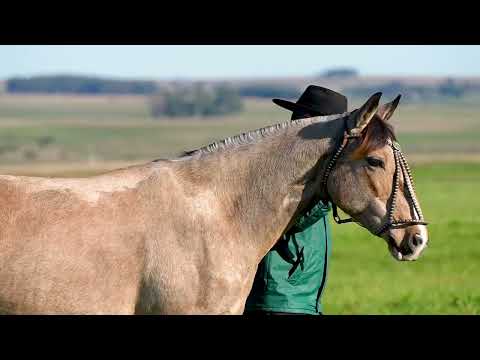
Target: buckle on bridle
(336,217)
(395,145)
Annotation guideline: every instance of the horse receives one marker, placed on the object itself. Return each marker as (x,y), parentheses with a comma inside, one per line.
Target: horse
(185,235)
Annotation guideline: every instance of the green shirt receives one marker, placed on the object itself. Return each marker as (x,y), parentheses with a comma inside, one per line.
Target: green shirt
(292,276)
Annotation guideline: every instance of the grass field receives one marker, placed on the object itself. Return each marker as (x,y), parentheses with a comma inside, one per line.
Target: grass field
(365,279)
(80,136)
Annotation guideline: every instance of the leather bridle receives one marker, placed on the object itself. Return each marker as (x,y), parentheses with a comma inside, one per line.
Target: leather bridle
(400,165)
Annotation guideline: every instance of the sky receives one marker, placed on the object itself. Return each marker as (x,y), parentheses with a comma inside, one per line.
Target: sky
(235,61)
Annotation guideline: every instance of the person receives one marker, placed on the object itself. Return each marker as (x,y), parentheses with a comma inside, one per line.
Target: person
(291,278)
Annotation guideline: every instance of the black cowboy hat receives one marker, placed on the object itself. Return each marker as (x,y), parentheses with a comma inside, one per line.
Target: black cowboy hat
(317,100)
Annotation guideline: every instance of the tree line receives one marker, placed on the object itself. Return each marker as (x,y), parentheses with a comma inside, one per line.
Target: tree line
(416,93)
(79,85)
(208,99)
(94,85)
(174,100)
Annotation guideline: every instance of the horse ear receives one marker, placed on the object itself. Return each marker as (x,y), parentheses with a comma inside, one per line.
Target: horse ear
(386,111)
(365,113)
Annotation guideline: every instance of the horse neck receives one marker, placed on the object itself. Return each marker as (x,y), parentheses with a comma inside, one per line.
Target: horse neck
(263,185)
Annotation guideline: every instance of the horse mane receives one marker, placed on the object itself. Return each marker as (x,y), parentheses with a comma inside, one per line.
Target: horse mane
(256,135)
(375,136)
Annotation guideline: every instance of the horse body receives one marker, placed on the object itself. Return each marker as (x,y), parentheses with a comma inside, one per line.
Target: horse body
(147,239)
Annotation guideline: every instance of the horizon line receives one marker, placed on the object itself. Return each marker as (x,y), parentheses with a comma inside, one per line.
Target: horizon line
(238,77)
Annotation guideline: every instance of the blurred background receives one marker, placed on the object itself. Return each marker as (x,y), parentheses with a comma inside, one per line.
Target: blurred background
(82,110)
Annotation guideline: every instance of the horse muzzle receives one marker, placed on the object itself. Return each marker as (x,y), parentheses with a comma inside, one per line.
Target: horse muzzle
(412,246)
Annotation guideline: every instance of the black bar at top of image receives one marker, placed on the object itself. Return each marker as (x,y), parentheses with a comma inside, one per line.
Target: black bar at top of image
(246,26)
(144,36)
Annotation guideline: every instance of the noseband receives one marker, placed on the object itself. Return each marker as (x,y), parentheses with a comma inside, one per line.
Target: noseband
(400,165)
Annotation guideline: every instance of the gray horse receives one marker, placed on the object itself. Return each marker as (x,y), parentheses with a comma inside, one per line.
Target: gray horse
(185,236)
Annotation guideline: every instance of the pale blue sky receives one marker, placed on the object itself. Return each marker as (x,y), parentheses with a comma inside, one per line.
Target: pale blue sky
(181,61)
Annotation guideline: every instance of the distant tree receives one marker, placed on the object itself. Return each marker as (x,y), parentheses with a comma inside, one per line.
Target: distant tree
(196,100)
(204,100)
(226,100)
(451,88)
(340,73)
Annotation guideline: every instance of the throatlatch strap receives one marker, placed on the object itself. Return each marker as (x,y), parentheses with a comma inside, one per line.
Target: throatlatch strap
(337,218)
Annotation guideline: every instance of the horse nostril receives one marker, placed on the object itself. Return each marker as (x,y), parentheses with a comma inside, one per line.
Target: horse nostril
(417,240)
(414,243)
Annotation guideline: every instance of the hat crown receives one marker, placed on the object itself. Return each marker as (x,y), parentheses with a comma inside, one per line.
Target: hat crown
(323,100)
(315,100)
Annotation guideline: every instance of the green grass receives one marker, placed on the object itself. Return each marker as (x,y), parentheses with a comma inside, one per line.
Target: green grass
(365,279)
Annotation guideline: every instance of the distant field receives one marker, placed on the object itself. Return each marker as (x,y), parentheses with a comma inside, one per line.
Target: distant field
(72,107)
(38,129)
(65,128)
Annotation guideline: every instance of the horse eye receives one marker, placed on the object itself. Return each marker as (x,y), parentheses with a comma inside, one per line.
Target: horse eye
(374,162)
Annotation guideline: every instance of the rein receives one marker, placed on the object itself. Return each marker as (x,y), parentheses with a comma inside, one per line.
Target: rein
(400,165)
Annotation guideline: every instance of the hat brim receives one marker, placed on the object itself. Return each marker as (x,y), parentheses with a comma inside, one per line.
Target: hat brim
(294,106)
